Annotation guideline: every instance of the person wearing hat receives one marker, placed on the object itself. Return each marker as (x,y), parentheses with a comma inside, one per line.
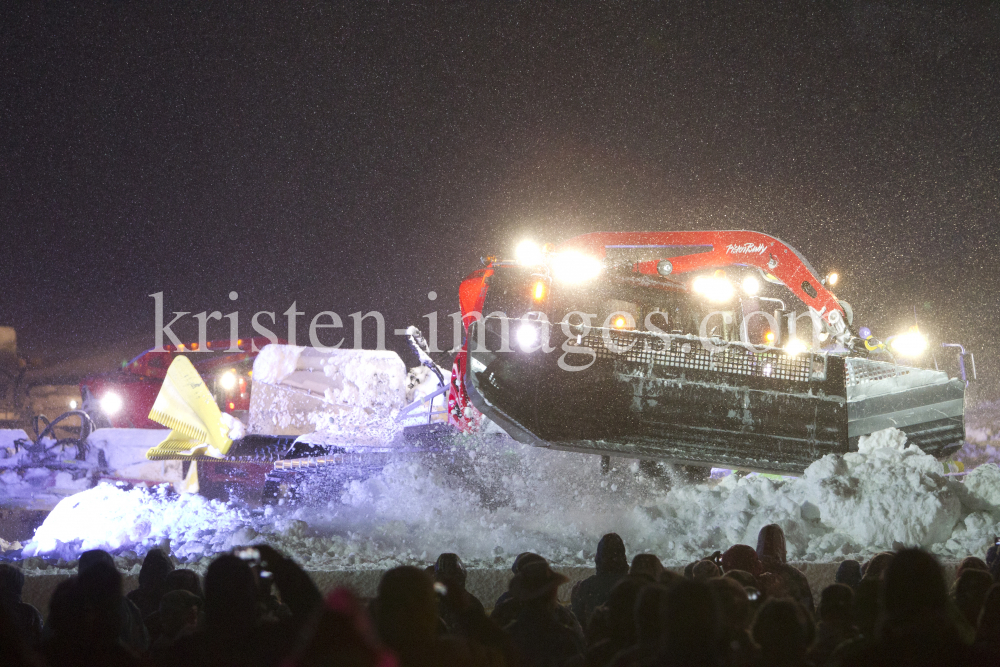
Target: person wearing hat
(507,607)
(537,634)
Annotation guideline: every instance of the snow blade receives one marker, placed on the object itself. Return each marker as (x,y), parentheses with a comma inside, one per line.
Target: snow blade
(687,400)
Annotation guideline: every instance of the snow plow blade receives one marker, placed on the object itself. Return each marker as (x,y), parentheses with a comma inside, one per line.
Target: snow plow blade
(687,400)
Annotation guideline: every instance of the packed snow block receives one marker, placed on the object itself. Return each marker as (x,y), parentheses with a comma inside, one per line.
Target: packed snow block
(297,390)
(125,452)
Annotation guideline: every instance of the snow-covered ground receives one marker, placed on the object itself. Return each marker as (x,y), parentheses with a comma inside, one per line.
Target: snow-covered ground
(491,499)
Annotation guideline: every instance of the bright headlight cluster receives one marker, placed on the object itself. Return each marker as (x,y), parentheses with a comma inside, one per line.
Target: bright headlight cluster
(751,286)
(714,288)
(527,337)
(111,403)
(909,344)
(529,253)
(795,347)
(575,267)
(228,380)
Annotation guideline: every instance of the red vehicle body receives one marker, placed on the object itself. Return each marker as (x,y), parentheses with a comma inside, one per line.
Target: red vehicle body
(124,397)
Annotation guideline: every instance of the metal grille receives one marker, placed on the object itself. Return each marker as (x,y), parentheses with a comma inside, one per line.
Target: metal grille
(860,371)
(690,352)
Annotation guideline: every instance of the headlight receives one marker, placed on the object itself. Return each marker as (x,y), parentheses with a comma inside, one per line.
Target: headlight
(751,286)
(910,344)
(228,380)
(795,347)
(528,253)
(111,403)
(575,267)
(527,337)
(714,288)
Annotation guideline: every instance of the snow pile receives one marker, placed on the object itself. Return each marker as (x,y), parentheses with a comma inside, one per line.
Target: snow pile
(489,499)
(116,519)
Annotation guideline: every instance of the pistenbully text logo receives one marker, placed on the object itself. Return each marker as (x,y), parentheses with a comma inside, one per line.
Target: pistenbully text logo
(745,249)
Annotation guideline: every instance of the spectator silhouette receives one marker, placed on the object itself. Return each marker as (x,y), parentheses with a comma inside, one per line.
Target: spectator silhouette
(342,635)
(522,559)
(743,578)
(786,580)
(969,593)
(646,565)
(184,580)
(458,604)
(507,608)
(612,626)
(784,632)
(971,563)
(647,628)
(704,570)
(406,619)
(835,625)
(178,580)
(987,644)
(914,626)
(592,592)
(849,574)
(876,567)
(178,615)
(152,579)
(24,619)
(741,557)
(691,626)
(235,631)
(864,617)
(86,617)
(463,615)
(539,637)
(134,635)
(13,651)
(736,614)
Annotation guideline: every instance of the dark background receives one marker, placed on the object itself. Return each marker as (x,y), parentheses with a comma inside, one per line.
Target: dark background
(355,157)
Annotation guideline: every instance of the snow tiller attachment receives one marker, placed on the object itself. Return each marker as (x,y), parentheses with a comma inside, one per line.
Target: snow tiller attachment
(699,348)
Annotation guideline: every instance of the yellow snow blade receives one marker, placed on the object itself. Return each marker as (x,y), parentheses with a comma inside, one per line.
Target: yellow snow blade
(185,406)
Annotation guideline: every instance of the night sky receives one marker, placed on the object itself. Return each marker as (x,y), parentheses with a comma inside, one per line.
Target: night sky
(356,157)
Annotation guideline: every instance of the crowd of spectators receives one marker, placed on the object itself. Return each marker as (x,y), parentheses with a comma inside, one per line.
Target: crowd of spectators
(745,606)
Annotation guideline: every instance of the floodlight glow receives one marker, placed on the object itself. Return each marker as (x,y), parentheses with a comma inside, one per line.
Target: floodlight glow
(795,347)
(575,267)
(751,286)
(714,288)
(909,344)
(228,380)
(529,253)
(527,337)
(111,403)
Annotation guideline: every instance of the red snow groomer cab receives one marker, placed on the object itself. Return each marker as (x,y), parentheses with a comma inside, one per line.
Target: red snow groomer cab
(721,348)
(124,397)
